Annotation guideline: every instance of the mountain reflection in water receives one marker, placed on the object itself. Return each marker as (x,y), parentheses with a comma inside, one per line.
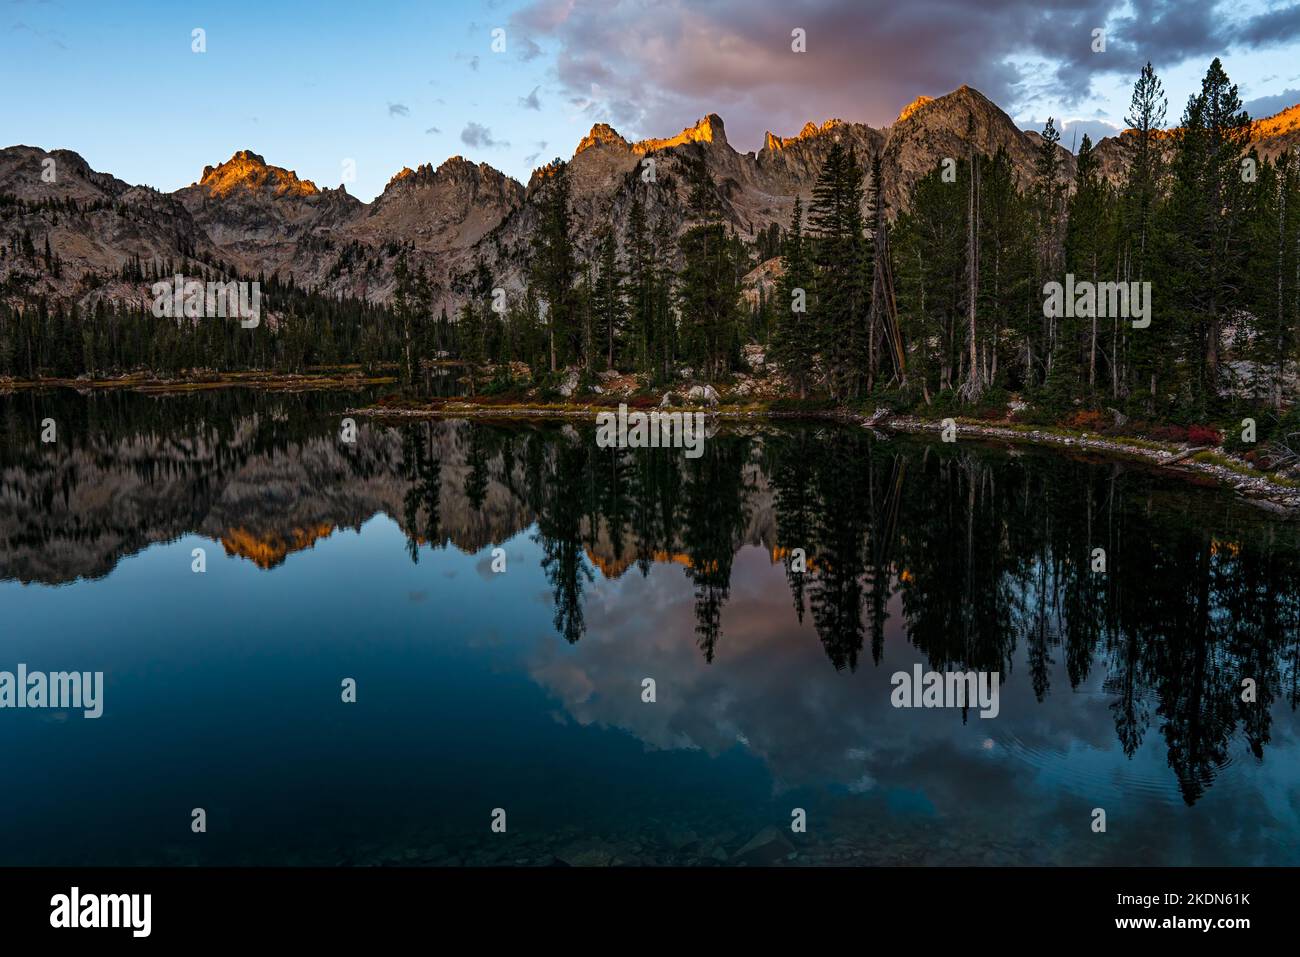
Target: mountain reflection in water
(1120,690)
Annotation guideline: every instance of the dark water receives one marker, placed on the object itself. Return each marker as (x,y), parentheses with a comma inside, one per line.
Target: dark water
(522,690)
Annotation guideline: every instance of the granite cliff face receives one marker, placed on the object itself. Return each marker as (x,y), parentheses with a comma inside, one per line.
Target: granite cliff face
(256,218)
(444,214)
(94,222)
(263,218)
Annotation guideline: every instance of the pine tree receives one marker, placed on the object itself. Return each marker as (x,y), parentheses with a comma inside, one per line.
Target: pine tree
(1135,354)
(405,306)
(793,338)
(639,292)
(708,291)
(1087,256)
(1049,209)
(608,305)
(469,329)
(930,253)
(839,249)
(1204,231)
(1006,255)
(555,268)
(1272,289)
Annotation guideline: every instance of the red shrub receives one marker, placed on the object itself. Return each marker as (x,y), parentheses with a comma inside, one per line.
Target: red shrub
(1088,420)
(1203,435)
(1169,433)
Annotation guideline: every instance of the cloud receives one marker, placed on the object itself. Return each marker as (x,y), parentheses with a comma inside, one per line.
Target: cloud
(1073,131)
(398,109)
(49,36)
(1265,106)
(433,129)
(477,135)
(526,50)
(651,67)
(1272,28)
(531,102)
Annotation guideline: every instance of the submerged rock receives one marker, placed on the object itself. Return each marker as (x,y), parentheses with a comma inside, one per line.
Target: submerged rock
(768,846)
(587,854)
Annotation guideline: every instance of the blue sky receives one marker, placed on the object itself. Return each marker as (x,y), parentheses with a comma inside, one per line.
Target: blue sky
(393,84)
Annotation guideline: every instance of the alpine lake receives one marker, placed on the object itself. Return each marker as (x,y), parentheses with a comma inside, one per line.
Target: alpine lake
(370,652)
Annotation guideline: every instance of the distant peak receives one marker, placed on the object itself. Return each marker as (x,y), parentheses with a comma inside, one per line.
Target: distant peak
(1281,122)
(602,134)
(248,170)
(453,168)
(709,129)
(912,107)
(772,142)
(420,172)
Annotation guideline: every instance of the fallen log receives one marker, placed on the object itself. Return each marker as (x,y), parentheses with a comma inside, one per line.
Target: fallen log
(1185,455)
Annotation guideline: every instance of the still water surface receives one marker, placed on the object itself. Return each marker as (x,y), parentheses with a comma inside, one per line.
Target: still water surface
(523,690)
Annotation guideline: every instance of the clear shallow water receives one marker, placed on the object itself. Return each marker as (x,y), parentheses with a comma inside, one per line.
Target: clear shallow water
(522,690)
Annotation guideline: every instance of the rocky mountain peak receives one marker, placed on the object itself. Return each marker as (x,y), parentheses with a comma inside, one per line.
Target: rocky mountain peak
(249,171)
(709,129)
(912,107)
(23,168)
(602,134)
(1279,124)
(453,170)
(772,142)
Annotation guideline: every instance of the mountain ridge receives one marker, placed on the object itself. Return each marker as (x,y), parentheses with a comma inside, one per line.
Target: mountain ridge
(261,219)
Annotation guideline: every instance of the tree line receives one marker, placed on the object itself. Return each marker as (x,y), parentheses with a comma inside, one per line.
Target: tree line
(940,306)
(1198,215)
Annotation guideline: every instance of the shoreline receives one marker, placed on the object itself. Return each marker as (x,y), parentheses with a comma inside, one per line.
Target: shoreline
(340,377)
(1226,470)
(1262,490)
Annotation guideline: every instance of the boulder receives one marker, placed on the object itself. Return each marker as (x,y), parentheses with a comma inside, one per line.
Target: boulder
(768,846)
(593,853)
(702,394)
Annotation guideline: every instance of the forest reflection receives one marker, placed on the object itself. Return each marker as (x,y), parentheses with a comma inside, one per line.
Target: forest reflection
(982,556)
(986,551)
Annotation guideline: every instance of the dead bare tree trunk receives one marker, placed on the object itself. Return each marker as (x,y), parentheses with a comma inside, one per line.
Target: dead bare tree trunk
(973,387)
